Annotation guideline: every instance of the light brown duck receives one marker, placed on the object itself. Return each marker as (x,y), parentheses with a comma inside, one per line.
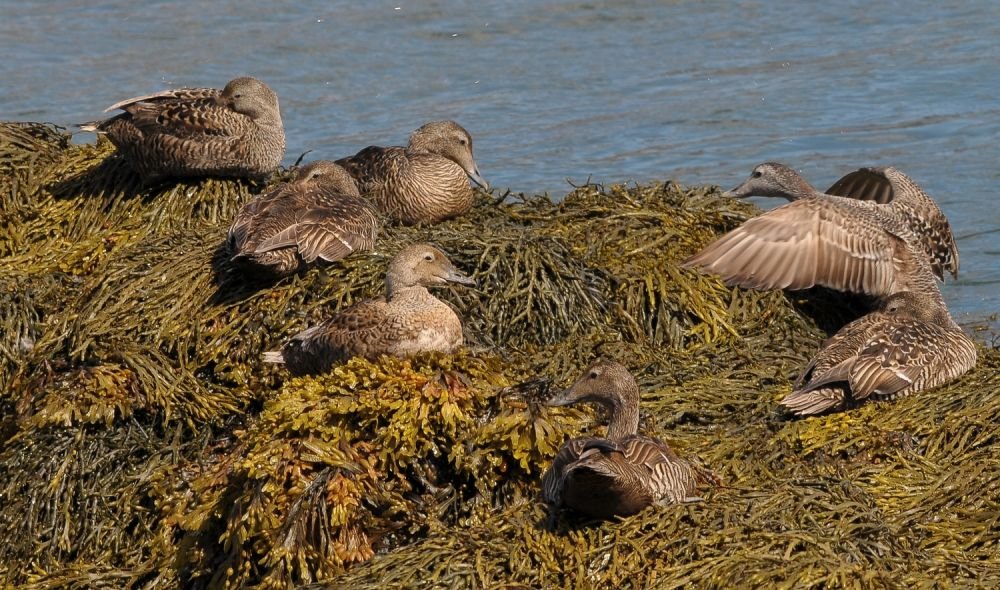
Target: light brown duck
(318,216)
(624,472)
(843,243)
(192,132)
(902,197)
(406,321)
(425,182)
(909,345)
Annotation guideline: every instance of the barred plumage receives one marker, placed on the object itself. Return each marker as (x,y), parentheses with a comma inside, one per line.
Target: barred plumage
(319,215)
(623,473)
(425,182)
(850,241)
(190,132)
(406,321)
(909,345)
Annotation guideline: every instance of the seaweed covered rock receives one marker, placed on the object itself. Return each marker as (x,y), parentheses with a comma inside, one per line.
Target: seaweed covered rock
(145,444)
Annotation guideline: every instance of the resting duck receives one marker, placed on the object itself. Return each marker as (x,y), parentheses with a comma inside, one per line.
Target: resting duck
(190,132)
(623,473)
(909,345)
(882,236)
(406,321)
(319,215)
(425,182)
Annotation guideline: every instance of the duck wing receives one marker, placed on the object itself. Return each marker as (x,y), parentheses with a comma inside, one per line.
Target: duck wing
(864,184)
(889,186)
(372,163)
(805,243)
(359,330)
(328,228)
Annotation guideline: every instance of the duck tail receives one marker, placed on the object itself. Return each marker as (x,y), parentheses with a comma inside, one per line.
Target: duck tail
(92,126)
(274,356)
(706,476)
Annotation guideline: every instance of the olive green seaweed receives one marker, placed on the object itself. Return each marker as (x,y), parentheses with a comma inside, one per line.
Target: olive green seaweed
(146,444)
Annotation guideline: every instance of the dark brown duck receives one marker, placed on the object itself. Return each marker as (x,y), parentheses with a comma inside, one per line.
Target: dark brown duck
(191,132)
(622,473)
(425,182)
(318,216)
(406,321)
(909,345)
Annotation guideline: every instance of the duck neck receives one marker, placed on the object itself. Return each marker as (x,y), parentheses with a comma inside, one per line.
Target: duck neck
(799,188)
(395,289)
(624,415)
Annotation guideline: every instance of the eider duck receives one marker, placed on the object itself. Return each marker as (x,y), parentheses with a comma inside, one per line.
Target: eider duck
(318,215)
(909,345)
(191,132)
(406,321)
(622,473)
(848,244)
(425,182)
(885,186)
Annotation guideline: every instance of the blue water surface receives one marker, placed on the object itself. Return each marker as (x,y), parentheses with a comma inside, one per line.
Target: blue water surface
(564,90)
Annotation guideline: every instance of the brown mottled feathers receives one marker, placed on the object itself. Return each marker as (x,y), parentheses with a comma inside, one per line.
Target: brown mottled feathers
(319,215)
(199,131)
(617,478)
(842,243)
(832,242)
(425,182)
(623,473)
(889,186)
(910,345)
(406,321)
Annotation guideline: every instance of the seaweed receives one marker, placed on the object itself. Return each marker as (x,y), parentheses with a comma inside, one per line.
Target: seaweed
(146,445)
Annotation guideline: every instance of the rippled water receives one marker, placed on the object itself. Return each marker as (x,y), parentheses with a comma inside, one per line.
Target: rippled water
(563,89)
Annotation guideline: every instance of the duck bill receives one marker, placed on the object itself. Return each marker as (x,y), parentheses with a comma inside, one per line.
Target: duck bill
(740,192)
(456,276)
(563,398)
(478,179)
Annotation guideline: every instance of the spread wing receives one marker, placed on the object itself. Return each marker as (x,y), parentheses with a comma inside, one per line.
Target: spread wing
(923,216)
(865,184)
(805,243)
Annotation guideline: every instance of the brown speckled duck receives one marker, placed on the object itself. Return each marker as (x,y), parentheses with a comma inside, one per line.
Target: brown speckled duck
(425,182)
(845,243)
(190,132)
(623,473)
(909,345)
(406,321)
(319,215)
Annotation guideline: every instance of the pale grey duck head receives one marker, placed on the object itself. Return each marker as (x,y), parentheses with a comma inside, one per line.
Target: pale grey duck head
(252,98)
(611,385)
(451,140)
(329,175)
(772,179)
(424,265)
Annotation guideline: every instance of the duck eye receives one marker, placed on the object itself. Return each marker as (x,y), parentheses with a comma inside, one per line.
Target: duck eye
(756,174)
(429,257)
(463,142)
